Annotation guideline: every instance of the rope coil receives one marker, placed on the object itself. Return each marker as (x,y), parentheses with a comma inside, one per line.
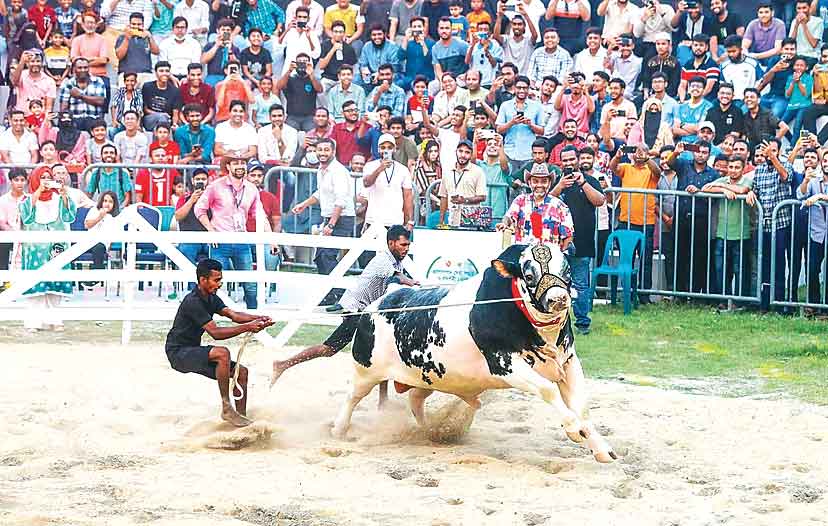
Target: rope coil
(234,378)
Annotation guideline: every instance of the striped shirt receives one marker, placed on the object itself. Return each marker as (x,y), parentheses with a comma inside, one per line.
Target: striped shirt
(372,283)
(771,190)
(708,70)
(542,63)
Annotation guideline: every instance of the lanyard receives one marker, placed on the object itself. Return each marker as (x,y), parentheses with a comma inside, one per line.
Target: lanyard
(388,178)
(456,180)
(238,197)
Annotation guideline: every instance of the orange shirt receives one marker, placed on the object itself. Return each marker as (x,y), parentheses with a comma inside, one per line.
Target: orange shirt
(234,90)
(475,18)
(632,205)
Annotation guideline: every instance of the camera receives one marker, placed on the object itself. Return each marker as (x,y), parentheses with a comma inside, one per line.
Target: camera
(629,149)
(621,113)
(301,24)
(300,68)
(233,70)
(198,185)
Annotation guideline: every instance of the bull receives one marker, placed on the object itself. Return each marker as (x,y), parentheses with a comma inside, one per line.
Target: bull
(524,341)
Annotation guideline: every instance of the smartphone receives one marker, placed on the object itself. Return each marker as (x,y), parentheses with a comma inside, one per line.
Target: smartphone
(198,185)
(387,155)
(233,70)
(626,42)
(621,113)
(804,134)
(301,24)
(691,4)
(693,148)
(629,149)
(520,114)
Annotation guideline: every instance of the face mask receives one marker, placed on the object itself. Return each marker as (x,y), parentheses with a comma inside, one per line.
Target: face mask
(311,158)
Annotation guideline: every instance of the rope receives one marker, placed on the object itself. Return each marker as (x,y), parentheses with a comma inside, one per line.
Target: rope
(234,379)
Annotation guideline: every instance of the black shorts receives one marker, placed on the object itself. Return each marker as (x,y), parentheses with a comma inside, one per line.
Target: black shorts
(194,360)
(342,335)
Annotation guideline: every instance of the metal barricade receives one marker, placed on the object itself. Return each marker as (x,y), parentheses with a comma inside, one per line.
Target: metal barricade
(694,253)
(493,189)
(803,258)
(185,169)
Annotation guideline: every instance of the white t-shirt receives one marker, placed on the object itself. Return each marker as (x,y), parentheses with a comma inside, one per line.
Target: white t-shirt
(449,139)
(19,150)
(385,196)
(236,139)
(180,55)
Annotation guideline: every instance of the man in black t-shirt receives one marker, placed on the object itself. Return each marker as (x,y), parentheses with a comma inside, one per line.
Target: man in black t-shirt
(256,61)
(194,317)
(162,99)
(300,87)
(335,52)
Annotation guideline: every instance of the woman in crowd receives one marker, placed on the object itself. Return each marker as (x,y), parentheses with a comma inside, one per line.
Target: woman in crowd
(70,142)
(96,219)
(48,208)
(426,171)
(602,158)
(655,133)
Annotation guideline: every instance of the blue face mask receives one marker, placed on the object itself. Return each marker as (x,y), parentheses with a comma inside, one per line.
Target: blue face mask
(311,158)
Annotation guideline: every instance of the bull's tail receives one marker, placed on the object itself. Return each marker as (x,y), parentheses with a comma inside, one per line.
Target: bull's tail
(364,341)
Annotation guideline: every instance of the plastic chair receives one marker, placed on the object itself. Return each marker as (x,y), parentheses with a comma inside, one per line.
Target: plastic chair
(432,220)
(626,268)
(167,214)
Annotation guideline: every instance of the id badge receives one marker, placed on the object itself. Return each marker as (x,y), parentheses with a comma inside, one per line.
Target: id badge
(239,222)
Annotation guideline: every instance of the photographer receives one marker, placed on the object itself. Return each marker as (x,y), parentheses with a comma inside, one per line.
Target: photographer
(298,39)
(233,88)
(300,87)
(218,54)
(196,139)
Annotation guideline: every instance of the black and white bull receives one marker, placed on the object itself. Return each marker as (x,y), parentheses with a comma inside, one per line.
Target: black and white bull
(527,343)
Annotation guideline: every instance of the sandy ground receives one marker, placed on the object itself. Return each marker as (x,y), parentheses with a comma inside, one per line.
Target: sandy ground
(113,436)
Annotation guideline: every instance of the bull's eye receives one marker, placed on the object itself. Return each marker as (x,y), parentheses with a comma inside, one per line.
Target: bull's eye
(530,279)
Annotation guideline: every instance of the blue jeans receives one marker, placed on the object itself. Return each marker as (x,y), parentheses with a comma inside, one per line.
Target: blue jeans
(580,282)
(237,256)
(729,268)
(793,117)
(776,103)
(195,252)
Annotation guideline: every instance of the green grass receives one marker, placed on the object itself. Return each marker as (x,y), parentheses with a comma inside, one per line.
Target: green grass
(678,347)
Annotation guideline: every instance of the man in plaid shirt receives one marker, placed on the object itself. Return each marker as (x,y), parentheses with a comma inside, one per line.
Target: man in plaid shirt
(772,184)
(551,59)
(83,95)
(265,15)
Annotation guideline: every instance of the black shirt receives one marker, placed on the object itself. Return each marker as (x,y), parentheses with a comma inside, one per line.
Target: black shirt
(669,66)
(761,128)
(300,97)
(722,29)
(349,56)
(256,62)
(726,121)
(583,216)
(163,101)
(193,314)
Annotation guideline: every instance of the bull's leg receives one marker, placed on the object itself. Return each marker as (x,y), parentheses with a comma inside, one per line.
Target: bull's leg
(364,382)
(416,400)
(526,379)
(574,394)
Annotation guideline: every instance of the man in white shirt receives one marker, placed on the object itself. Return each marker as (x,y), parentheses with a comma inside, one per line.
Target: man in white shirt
(235,136)
(388,188)
(180,49)
(277,141)
(464,184)
(17,144)
(299,38)
(316,14)
(197,13)
(619,17)
(336,201)
(591,59)
(517,47)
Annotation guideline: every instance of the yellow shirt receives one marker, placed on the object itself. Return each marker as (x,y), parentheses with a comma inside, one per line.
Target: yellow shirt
(348,16)
(632,205)
(820,91)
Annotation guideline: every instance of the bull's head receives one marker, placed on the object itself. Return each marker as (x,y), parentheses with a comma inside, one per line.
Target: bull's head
(541,274)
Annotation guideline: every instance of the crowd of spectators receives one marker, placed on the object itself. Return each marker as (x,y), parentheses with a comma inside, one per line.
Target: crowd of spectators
(443,106)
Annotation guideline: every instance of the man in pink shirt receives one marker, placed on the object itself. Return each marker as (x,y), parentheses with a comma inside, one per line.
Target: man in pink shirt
(576,104)
(93,47)
(231,201)
(32,83)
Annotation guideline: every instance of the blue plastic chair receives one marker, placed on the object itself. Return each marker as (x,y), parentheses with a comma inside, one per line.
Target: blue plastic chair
(167,214)
(433,219)
(625,269)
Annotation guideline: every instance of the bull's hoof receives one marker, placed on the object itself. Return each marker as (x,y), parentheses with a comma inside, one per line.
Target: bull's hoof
(605,457)
(339,433)
(577,436)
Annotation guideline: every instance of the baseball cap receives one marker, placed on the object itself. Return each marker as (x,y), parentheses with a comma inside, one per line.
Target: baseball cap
(467,143)
(254,164)
(199,171)
(386,137)
(707,124)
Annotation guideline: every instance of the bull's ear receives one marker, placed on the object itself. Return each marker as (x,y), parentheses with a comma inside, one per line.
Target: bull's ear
(507,264)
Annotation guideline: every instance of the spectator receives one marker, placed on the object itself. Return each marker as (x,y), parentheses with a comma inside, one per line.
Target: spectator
(688,22)
(760,124)
(110,179)
(82,95)
(655,133)
(232,88)
(197,14)
(133,49)
(551,59)
(638,211)
(92,46)
(732,231)
(600,97)
(568,137)
(625,65)
(658,91)
(517,46)
(220,53)
(322,126)
(132,142)
(335,197)
(272,209)
(459,24)
(97,218)
(403,12)
(300,88)
(569,17)
(726,116)
(225,206)
(46,209)
(449,98)
(448,54)
(30,82)
(236,137)
(721,24)
(387,186)
(265,98)
(44,18)
(771,185)
(477,95)
(503,87)
(316,14)
(162,20)
(162,99)
(779,71)
(807,30)
(187,221)
(462,184)
(377,12)
(477,14)
(345,133)
(763,35)
(799,91)
(376,54)
(662,63)
(66,16)
(352,24)
(618,109)
(519,121)
(345,91)
(386,93)
(654,24)
(277,142)
(48,153)
(270,18)
(126,98)
(485,54)
(813,191)
(335,53)
(196,139)
(591,58)
(18,145)
(180,49)
(162,135)
(427,171)
(582,194)
(556,220)
(10,217)
(196,91)
(70,142)
(619,17)
(495,166)
(433,11)
(689,114)
(154,186)
(700,65)
(417,47)
(819,97)
(405,151)
(739,70)
(99,139)
(256,62)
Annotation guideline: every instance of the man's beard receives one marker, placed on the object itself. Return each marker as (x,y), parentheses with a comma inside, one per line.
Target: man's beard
(462,163)
(238,173)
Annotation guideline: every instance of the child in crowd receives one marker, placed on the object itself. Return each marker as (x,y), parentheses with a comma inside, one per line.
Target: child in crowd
(67,16)
(178,189)
(459,24)
(264,100)
(56,57)
(162,135)
(36,115)
(477,15)
(99,139)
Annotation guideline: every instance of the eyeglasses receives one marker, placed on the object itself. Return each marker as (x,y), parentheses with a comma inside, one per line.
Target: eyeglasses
(180,27)
(349,109)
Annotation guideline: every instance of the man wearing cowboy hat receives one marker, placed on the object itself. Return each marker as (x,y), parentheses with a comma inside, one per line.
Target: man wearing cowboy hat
(540,208)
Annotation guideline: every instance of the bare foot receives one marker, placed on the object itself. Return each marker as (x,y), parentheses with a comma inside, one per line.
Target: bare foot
(231,416)
(278,369)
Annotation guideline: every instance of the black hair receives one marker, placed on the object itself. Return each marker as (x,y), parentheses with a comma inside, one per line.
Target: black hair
(396,232)
(205,267)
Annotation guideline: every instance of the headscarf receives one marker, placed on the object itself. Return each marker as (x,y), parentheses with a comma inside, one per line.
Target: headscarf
(651,121)
(34,182)
(68,133)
